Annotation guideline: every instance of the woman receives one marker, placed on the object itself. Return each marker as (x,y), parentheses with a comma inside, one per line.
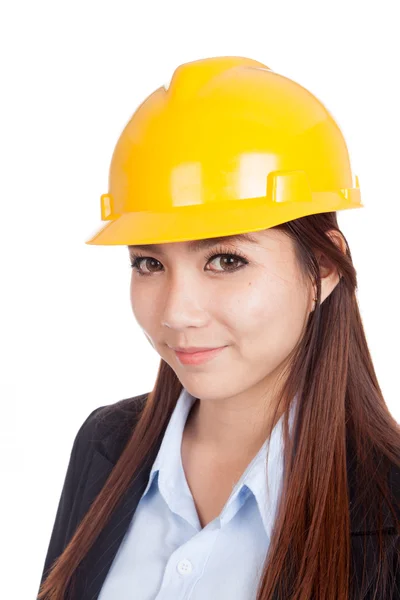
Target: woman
(266,467)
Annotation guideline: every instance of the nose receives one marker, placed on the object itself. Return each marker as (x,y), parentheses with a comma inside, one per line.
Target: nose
(185,305)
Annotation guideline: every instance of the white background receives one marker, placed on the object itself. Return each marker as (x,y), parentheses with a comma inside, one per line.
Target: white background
(72,74)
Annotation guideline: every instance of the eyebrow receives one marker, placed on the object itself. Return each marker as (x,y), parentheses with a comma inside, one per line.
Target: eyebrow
(197,245)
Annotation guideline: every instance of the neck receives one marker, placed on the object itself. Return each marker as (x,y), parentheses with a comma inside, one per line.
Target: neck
(230,428)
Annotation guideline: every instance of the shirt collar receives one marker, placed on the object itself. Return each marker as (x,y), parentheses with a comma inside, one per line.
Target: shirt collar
(254,479)
(171,443)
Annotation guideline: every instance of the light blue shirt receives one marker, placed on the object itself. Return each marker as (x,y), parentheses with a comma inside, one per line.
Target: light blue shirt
(166,555)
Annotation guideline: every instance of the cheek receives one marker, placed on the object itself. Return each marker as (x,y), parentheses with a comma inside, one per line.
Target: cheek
(142,309)
(269,314)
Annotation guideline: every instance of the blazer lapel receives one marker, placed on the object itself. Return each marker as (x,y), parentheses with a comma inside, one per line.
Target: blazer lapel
(92,571)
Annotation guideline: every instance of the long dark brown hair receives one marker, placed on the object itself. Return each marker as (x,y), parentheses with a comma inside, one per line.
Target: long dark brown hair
(340,398)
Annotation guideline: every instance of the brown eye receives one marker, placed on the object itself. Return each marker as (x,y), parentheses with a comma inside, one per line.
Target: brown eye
(135,264)
(228,258)
(225,256)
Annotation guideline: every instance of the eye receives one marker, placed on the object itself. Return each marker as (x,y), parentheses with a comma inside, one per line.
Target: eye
(136,260)
(227,255)
(221,253)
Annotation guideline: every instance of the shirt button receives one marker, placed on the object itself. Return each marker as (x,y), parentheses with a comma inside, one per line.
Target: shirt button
(184,567)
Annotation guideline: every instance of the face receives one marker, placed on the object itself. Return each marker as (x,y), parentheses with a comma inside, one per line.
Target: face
(256,304)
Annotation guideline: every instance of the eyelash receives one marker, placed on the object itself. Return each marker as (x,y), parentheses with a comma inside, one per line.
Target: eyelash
(214,253)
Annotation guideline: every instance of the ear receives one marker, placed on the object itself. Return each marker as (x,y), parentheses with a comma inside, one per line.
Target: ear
(328,272)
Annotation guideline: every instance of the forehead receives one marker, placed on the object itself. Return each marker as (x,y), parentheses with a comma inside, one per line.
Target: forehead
(193,246)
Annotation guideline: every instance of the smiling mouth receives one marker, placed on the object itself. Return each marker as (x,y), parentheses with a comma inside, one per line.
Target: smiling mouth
(194,358)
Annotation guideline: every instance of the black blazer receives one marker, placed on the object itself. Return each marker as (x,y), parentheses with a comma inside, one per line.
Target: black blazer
(96,449)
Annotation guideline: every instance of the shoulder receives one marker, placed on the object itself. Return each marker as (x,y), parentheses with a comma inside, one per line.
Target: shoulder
(110,425)
(104,419)
(394,486)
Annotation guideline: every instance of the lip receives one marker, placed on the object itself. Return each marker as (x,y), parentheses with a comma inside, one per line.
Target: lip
(192,349)
(196,358)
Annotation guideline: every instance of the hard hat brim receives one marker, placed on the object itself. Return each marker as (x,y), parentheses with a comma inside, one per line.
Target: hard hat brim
(199,221)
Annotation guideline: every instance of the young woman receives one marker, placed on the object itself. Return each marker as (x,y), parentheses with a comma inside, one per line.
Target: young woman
(264,464)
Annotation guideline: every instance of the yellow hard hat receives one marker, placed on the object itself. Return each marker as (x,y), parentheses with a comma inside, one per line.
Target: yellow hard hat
(229,147)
